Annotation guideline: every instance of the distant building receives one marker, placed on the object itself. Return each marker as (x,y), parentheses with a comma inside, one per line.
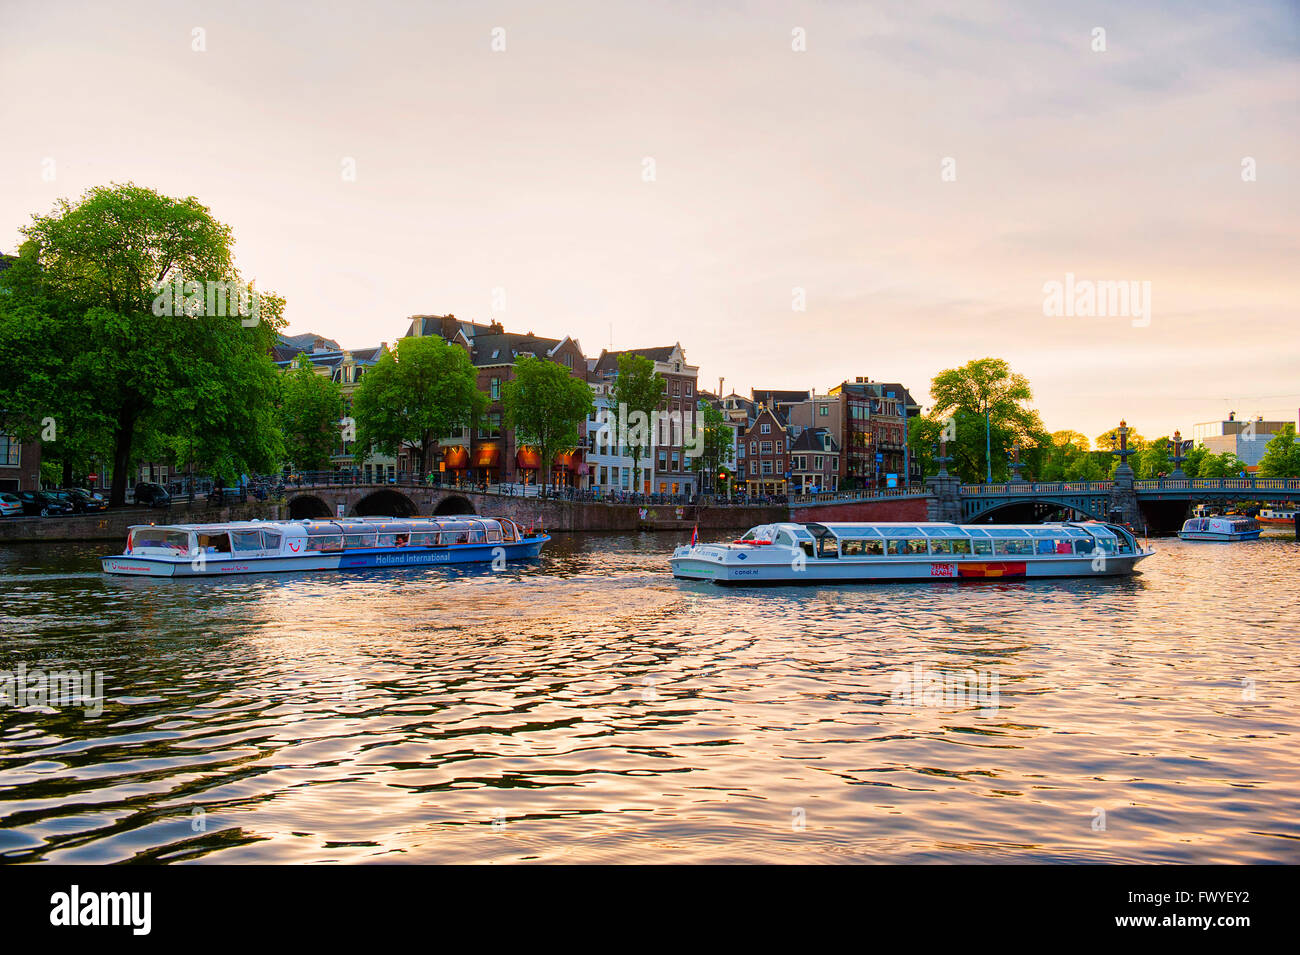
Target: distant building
(814,461)
(491,454)
(20,464)
(766,453)
(874,431)
(346,367)
(670,470)
(1246,438)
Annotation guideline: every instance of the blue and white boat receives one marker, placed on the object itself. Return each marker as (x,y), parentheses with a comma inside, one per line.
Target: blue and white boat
(261,547)
(835,552)
(1220,529)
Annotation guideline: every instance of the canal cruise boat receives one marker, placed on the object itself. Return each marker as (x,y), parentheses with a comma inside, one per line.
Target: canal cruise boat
(1223,529)
(259,547)
(790,553)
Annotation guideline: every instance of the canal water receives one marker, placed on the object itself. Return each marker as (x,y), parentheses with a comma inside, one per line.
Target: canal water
(588,708)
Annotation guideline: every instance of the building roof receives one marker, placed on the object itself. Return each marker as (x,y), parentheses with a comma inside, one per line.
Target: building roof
(773,397)
(608,360)
(816,440)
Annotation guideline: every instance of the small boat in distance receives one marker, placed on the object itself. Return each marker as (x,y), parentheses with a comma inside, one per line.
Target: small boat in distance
(259,547)
(1277,515)
(790,553)
(1220,529)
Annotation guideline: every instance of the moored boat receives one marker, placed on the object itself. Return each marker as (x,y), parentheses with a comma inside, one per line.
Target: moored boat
(1277,515)
(258,547)
(1230,528)
(790,553)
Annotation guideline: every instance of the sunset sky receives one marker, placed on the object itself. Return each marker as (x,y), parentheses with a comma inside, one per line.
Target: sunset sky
(774,169)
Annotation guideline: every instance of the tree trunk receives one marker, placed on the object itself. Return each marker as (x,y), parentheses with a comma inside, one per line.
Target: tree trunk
(122,437)
(67,470)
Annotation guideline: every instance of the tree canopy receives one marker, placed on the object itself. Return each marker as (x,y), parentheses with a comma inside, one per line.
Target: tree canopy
(980,391)
(545,405)
(424,390)
(311,409)
(640,389)
(121,374)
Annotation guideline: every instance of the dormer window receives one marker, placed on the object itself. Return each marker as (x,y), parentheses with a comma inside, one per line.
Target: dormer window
(765,428)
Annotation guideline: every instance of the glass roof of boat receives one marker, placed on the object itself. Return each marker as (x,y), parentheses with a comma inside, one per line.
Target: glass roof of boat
(1056,531)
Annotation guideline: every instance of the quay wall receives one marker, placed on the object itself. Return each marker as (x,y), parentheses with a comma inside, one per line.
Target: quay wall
(112,525)
(883,509)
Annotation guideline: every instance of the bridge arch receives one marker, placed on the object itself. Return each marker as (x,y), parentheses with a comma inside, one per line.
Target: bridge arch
(1031,510)
(307,505)
(454,504)
(385,502)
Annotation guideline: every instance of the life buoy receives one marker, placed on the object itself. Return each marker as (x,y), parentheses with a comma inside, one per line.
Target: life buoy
(753,543)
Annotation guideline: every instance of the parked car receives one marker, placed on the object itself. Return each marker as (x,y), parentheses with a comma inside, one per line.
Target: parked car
(10,505)
(43,503)
(152,495)
(83,501)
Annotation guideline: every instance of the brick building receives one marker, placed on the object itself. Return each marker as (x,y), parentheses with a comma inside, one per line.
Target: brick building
(490,453)
(766,453)
(670,469)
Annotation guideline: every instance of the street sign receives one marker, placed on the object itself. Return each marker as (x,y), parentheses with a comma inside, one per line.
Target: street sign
(891,480)
(879,456)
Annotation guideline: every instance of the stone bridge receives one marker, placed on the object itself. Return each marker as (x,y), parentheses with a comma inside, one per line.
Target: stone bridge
(408,500)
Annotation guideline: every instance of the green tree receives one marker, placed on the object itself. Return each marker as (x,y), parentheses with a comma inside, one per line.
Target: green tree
(1085,467)
(545,404)
(416,395)
(1282,455)
(638,390)
(1225,465)
(982,391)
(1153,460)
(311,408)
(717,446)
(99,268)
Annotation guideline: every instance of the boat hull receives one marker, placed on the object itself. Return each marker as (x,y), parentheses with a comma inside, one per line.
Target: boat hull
(723,566)
(367,559)
(1216,537)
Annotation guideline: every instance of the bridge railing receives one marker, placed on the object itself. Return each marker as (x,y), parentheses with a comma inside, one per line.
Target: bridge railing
(1037,487)
(1219,484)
(848,497)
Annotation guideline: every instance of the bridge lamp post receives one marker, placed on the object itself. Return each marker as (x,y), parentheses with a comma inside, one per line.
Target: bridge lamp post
(988,444)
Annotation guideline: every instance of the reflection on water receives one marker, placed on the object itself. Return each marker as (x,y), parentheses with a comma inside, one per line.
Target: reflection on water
(589,708)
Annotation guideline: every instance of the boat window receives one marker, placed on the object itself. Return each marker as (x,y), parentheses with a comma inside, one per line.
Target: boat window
(981,546)
(961,546)
(917,545)
(941,546)
(423,538)
(750,534)
(901,531)
(214,543)
(873,547)
(830,546)
(246,541)
(178,541)
(783,538)
(897,546)
(325,542)
(351,541)
(851,548)
(1042,532)
(271,540)
(1004,546)
(976,531)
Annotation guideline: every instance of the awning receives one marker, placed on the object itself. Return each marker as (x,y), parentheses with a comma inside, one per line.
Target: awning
(527,459)
(566,461)
(456,459)
(487,456)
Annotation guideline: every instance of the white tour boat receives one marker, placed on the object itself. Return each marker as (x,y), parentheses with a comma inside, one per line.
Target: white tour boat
(1220,529)
(259,547)
(830,552)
